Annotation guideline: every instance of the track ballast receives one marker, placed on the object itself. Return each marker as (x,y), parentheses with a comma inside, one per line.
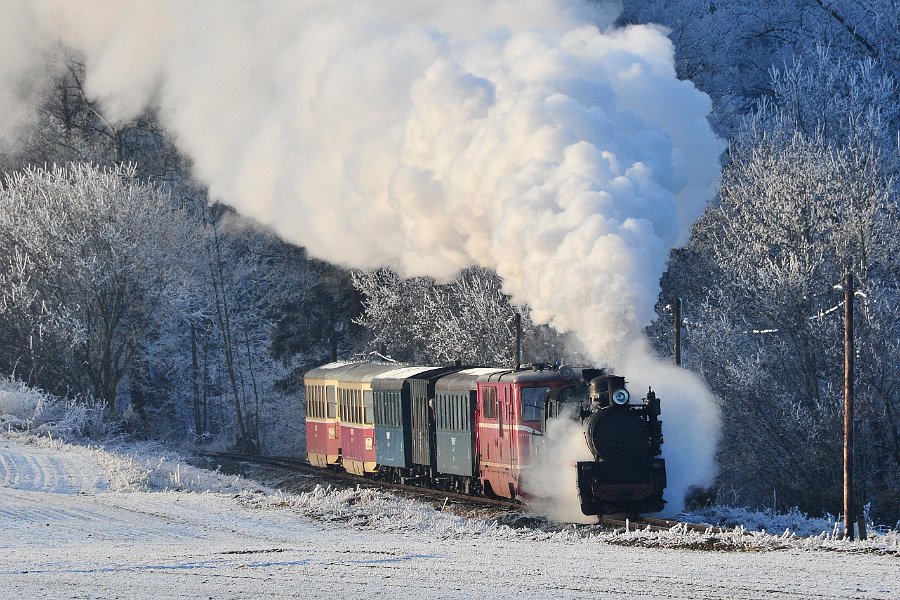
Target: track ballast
(302,466)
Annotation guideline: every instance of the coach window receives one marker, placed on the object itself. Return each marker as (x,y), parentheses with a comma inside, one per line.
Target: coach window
(320,401)
(317,395)
(451,404)
(329,393)
(489,402)
(450,411)
(314,401)
(369,406)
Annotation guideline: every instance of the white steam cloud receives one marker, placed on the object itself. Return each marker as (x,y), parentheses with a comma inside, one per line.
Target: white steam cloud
(522,135)
(690,416)
(551,482)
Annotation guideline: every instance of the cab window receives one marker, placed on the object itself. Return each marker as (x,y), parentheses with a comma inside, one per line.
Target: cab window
(533,403)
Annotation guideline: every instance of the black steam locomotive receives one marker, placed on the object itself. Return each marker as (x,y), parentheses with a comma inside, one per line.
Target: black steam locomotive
(626,475)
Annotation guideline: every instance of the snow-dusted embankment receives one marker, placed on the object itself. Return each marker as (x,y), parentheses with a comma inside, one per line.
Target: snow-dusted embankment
(67,532)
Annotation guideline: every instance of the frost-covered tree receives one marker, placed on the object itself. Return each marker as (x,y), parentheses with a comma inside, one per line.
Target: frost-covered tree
(89,256)
(728,48)
(469,319)
(71,127)
(794,214)
(810,190)
(209,373)
(316,310)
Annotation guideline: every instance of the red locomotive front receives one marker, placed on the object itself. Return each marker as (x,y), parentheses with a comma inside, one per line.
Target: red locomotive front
(510,419)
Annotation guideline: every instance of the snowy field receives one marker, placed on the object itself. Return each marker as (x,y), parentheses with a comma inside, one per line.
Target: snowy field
(82,522)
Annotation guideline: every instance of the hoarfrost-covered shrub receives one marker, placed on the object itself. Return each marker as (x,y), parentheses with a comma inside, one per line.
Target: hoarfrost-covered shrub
(35,411)
(24,408)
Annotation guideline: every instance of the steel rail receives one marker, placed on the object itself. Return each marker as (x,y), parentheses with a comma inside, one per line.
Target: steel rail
(304,466)
(629,524)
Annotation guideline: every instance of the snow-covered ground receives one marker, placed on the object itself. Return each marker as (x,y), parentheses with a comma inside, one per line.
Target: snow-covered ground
(93,523)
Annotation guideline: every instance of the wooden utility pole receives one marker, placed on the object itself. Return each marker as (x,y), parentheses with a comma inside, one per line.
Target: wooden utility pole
(677,317)
(848,406)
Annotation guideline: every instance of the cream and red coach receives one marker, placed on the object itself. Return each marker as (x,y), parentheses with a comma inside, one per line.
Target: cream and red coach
(323,443)
(339,426)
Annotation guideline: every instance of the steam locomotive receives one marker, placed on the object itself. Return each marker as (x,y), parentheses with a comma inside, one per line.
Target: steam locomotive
(481,430)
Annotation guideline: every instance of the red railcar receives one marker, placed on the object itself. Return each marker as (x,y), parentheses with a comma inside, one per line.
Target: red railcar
(510,421)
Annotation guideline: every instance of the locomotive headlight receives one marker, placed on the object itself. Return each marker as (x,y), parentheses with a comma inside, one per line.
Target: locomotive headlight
(621,396)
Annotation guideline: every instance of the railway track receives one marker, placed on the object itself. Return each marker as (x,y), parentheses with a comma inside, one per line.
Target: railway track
(304,467)
(301,466)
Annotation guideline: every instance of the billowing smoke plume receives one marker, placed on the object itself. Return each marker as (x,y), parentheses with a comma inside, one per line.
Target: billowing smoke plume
(521,135)
(690,416)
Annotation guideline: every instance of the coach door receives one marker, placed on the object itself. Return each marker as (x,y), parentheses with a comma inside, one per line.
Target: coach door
(506,415)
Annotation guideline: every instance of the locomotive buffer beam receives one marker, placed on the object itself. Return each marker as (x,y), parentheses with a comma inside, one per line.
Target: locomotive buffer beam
(609,488)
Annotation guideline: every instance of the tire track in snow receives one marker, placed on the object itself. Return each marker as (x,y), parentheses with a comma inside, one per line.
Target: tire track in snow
(46,470)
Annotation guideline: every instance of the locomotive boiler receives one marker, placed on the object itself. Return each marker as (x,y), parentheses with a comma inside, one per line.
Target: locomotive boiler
(627,474)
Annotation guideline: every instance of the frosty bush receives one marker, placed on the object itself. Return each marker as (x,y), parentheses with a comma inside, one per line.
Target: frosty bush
(35,411)
(21,406)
